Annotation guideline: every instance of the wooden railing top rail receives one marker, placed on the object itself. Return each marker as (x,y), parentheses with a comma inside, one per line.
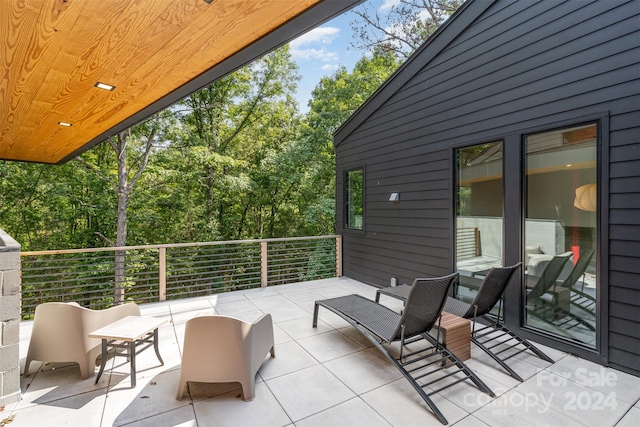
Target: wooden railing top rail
(175,245)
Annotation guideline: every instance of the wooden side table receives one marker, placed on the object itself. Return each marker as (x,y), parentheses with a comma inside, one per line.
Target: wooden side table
(134,334)
(455,334)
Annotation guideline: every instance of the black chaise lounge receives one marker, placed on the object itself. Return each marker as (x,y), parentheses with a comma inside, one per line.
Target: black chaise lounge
(422,310)
(559,301)
(494,339)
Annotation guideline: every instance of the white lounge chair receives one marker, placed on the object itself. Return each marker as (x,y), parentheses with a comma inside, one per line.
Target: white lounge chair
(61,333)
(221,349)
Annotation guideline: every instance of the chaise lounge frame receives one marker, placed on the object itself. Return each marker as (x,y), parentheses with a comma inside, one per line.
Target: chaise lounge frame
(382,326)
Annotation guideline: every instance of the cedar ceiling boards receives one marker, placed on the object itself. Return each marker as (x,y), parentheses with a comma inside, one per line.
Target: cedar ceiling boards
(53,52)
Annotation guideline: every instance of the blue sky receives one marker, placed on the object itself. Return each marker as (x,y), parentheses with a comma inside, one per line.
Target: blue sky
(321,51)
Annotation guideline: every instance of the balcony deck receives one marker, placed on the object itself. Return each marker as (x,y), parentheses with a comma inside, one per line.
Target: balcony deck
(324,376)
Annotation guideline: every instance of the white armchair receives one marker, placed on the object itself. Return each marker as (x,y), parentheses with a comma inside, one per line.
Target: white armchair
(225,349)
(61,333)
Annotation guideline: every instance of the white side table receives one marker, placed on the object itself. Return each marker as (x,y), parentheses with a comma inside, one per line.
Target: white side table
(132,333)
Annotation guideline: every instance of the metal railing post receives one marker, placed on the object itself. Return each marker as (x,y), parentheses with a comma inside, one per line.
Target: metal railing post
(338,256)
(264,265)
(162,267)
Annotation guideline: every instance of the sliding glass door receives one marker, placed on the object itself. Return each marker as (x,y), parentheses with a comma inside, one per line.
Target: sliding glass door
(560,234)
(479,214)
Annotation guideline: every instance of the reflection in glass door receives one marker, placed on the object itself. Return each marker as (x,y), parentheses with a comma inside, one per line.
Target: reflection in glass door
(560,233)
(479,207)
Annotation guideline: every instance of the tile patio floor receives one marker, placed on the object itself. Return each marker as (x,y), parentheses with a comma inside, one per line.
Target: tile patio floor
(329,376)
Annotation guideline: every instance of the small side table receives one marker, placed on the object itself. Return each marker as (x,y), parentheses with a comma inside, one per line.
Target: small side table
(400,292)
(132,333)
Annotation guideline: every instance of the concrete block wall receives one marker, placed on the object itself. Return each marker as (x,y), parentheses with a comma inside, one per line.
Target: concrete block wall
(9,319)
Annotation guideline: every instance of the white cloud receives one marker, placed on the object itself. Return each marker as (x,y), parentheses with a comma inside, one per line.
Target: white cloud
(330,67)
(388,4)
(317,54)
(323,35)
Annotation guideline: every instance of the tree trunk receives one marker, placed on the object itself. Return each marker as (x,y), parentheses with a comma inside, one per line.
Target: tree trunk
(121,225)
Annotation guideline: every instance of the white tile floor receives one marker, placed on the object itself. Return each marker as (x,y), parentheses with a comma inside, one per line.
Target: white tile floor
(320,377)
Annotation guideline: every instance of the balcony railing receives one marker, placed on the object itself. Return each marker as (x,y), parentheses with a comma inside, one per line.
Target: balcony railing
(159,272)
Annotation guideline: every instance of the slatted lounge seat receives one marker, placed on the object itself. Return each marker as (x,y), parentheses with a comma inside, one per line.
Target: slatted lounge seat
(381,326)
(561,300)
(495,339)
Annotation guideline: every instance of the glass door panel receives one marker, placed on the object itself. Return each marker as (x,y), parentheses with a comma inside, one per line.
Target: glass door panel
(479,212)
(560,233)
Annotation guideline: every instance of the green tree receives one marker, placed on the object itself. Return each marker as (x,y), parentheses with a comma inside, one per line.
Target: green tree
(333,101)
(229,127)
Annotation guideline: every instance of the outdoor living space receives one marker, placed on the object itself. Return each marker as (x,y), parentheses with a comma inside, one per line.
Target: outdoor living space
(325,376)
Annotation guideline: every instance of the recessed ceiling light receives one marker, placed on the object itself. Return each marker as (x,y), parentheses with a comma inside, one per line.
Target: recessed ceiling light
(104,86)
(65,124)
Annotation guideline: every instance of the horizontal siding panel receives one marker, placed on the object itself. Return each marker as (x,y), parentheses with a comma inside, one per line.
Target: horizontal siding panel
(368,150)
(408,187)
(626,140)
(424,231)
(384,268)
(624,280)
(394,251)
(442,222)
(623,248)
(512,117)
(625,295)
(407,152)
(625,169)
(427,194)
(624,361)
(624,327)
(627,121)
(415,215)
(552,96)
(626,152)
(410,239)
(626,201)
(624,184)
(382,279)
(408,206)
(497,93)
(382,272)
(629,264)
(624,232)
(624,311)
(420,171)
(625,343)
(624,216)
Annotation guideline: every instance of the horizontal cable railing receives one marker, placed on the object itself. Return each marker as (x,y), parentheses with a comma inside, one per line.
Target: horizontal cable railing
(102,277)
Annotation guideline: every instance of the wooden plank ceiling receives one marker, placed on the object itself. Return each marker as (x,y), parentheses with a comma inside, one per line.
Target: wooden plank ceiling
(53,52)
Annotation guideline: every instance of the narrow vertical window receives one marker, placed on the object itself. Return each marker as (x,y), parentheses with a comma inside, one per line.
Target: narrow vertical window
(561,231)
(479,212)
(354,206)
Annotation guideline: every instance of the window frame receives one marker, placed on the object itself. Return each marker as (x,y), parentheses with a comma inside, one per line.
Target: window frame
(600,349)
(345,204)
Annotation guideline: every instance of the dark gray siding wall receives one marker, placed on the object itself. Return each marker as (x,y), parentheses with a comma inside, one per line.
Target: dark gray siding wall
(520,66)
